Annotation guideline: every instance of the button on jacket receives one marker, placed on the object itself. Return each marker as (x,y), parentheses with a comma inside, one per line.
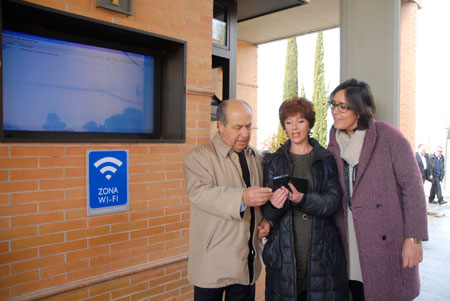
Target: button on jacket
(219,236)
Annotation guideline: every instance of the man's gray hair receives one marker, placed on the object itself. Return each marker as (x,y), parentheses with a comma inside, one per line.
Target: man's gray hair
(222,108)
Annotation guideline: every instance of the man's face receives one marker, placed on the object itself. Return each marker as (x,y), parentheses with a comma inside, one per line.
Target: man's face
(422,150)
(439,152)
(238,131)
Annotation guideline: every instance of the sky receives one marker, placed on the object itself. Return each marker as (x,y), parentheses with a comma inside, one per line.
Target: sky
(271,63)
(433,79)
(433,68)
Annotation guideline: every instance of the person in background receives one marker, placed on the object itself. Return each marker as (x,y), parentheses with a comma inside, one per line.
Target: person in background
(382,218)
(424,162)
(303,254)
(223,179)
(437,171)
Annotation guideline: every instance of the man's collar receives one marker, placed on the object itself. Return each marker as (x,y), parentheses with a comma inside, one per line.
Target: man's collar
(224,149)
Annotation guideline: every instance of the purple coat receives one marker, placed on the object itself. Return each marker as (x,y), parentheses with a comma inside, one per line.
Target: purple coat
(388,205)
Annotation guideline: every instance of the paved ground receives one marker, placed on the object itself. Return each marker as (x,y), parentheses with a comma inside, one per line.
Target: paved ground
(435,267)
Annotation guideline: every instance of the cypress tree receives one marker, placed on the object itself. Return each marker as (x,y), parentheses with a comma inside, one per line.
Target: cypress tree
(319,97)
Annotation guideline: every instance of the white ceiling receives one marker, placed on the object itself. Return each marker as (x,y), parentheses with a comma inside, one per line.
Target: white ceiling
(316,16)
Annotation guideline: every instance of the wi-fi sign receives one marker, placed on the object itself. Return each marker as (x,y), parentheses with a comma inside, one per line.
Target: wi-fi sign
(108,166)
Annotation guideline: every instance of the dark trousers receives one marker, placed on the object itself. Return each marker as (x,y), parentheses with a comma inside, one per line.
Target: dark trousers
(436,190)
(356,290)
(233,292)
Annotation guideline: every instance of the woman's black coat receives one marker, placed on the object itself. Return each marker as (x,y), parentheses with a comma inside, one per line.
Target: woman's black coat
(327,275)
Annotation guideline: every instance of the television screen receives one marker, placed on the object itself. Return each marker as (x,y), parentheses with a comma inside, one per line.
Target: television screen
(61,86)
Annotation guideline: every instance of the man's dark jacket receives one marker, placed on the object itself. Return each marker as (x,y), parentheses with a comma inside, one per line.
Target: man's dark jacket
(327,274)
(424,172)
(433,161)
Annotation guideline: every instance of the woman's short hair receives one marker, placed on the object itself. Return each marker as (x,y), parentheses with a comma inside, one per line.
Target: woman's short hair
(295,105)
(360,99)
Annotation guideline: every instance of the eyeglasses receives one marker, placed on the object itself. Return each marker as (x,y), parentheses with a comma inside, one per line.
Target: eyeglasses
(343,108)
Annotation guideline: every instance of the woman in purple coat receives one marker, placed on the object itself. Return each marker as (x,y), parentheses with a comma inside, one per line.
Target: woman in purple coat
(382,220)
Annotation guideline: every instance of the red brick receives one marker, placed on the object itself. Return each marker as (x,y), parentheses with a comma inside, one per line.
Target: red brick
(62,162)
(62,183)
(109,287)
(177,226)
(37,285)
(19,278)
(75,172)
(62,226)
(166,167)
(7,163)
(147,214)
(87,253)
(129,290)
(147,159)
(132,244)
(146,276)
(18,209)
(4,175)
(4,247)
(166,149)
(164,255)
(18,233)
(148,249)
(36,174)
(18,256)
(37,196)
(4,271)
(134,225)
(108,219)
(138,205)
(36,151)
(76,214)
(82,294)
(56,4)
(145,195)
(4,223)
(148,293)
(109,258)
(62,205)
(4,151)
(86,233)
(18,186)
(4,199)
(36,219)
(83,274)
(63,247)
(75,193)
(108,239)
(164,185)
(147,232)
(134,261)
(164,203)
(147,177)
(36,263)
(65,268)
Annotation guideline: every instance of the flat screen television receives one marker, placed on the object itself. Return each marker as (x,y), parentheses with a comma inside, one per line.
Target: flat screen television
(70,78)
(55,85)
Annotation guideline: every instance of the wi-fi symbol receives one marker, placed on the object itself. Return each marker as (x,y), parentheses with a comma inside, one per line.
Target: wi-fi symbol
(108,170)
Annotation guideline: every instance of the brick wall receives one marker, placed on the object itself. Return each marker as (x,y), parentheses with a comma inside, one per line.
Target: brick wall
(48,245)
(408,71)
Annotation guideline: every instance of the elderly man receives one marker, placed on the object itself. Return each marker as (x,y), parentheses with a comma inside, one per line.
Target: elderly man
(437,169)
(223,178)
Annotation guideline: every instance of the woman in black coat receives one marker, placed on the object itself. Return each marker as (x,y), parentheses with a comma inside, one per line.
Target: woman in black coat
(303,254)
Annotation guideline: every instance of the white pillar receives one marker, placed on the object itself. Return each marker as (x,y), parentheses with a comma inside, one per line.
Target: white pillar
(370,51)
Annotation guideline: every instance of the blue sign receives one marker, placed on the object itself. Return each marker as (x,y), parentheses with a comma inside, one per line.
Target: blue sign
(107,177)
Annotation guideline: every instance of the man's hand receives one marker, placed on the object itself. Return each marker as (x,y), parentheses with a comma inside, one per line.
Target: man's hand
(411,254)
(295,196)
(263,229)
(256,196)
